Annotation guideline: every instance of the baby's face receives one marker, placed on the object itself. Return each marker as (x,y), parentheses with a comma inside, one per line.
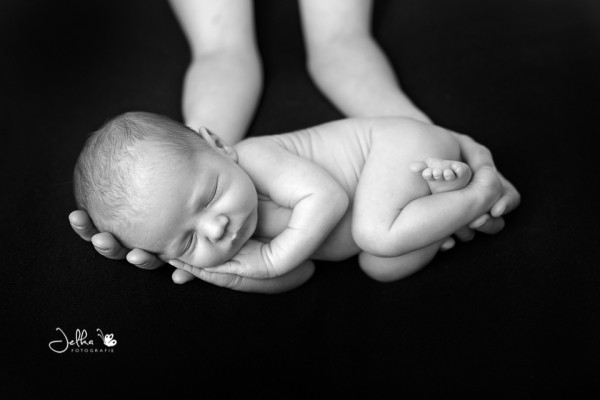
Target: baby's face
(199,210)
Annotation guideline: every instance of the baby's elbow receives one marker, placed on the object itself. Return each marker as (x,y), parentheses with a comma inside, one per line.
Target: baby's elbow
(339,201)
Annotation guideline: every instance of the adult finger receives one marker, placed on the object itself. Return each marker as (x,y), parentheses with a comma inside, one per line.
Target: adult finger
(180,276)
(108,246)
(143,259)
(487,224)
(465,234)
(82,224)
(224,280)
(448,244)
(508,201)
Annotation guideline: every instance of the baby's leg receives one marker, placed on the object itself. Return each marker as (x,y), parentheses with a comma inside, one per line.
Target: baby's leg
(442,175)
(395,215)
(387,185)
(389,269)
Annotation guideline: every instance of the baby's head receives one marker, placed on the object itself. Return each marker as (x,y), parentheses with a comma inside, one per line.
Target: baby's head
(157,185)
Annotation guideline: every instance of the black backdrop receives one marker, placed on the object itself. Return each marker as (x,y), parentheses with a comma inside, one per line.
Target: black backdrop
(516,313)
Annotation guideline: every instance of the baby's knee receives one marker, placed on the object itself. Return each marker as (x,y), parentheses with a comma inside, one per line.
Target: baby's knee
(390,269)
(385,269)
(374,239)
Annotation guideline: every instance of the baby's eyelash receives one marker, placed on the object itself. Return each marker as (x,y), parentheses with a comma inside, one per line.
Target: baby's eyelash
(189,244)
(214,195)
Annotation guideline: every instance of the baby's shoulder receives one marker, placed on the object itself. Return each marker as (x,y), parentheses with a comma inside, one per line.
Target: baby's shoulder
(258,146)
(260,155)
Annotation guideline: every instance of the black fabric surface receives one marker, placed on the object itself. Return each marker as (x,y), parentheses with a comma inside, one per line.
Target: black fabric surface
(515,314)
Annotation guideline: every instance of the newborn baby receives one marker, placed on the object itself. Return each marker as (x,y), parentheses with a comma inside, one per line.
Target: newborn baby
(392,190)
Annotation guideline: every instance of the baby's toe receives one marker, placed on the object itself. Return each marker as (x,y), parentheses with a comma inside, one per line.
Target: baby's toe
(417,167)
(438,173)
(458,168)
(427,174)
(449,174)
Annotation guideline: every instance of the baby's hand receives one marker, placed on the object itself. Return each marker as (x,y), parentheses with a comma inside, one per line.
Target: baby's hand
(251,261)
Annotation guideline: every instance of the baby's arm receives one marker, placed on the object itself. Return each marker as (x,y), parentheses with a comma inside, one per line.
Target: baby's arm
(317,202)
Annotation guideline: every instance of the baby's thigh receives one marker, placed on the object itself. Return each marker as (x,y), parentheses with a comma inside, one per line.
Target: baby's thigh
(387,185)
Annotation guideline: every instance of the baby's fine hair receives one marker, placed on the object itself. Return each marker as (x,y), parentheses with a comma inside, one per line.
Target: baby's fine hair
(102,180)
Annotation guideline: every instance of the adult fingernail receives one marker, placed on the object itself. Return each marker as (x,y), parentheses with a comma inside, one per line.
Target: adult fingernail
(98,246)
(477,223)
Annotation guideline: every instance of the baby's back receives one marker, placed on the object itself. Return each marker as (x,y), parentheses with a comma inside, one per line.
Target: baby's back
(340,147)
(343,147)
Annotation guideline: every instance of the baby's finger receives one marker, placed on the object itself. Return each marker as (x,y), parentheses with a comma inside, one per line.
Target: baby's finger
(82,224)
(180,276)
(144,260)
(107,245)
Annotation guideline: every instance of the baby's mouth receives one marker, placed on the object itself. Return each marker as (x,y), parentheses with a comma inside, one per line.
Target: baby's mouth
(231,237)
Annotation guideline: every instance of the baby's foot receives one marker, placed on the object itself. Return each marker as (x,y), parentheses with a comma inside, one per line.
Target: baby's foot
(442,175)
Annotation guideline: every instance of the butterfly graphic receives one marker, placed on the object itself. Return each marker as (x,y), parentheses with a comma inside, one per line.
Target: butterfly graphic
(107,339)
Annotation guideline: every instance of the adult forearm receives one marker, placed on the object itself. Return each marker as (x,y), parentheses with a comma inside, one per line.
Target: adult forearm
(221,91)
(354,73)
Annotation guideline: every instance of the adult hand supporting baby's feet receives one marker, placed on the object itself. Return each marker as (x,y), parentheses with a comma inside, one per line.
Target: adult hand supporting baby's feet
(478,156)
(493,222)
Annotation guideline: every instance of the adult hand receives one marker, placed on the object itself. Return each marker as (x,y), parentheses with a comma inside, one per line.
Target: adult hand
(477,156)
(250,261)
(280,284)
(107,245)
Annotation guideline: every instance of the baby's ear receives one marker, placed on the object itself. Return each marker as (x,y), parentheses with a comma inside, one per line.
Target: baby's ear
(215,141)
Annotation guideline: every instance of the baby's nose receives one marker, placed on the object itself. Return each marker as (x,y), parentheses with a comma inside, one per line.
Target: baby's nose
(217,228)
